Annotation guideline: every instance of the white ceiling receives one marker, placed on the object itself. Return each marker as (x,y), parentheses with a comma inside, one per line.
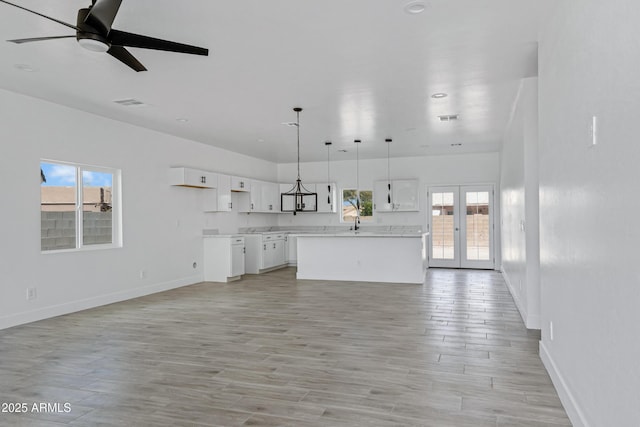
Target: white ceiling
(360,69)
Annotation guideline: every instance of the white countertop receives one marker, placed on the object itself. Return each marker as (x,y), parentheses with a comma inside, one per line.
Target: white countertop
(361,234)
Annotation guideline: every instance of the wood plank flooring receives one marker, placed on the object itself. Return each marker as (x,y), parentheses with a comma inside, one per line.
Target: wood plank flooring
(273,351)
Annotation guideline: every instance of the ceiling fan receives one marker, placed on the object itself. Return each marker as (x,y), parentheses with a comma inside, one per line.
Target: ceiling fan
(94,32)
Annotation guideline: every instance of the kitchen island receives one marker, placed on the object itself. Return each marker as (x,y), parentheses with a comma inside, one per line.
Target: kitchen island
(363,257)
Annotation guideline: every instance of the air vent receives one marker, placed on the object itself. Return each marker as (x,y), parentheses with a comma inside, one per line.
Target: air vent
(130,102)
(448,117)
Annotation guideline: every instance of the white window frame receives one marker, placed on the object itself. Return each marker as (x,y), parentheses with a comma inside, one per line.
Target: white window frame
(116,207)
(349,221)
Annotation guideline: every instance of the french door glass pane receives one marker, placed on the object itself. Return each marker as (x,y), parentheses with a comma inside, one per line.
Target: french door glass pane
(97,206)
(442,223)
(478,225)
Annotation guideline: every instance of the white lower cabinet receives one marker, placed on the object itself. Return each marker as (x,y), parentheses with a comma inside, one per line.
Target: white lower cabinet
(291,249)
(224,258)
(264,252)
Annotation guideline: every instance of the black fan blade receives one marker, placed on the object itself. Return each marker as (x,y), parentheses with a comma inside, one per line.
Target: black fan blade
(123,55)
(102,14)
(44,16)
(38,39)
(122,38)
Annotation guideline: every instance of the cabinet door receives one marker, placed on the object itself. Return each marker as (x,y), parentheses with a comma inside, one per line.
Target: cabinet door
(405,194)
(210,200)
(224,193)
(270,201)
(237,260)
(256,196)
(381,194)
(278,252)
(326,197)
(192,178)
(240,184)
(287,203)
(267,254)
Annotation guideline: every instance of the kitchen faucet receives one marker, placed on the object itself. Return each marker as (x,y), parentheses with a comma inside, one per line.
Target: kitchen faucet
(356,222)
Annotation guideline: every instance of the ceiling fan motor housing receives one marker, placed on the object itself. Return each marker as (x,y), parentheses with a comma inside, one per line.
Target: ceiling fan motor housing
(89,37)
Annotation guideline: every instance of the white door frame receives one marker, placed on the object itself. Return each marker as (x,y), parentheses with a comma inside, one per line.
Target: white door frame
(460,226)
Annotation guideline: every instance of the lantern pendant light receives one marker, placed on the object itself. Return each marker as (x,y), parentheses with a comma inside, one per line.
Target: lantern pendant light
(303,199)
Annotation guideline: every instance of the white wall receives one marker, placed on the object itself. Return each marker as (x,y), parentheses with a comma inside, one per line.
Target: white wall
(519,204)
(589,204)
(162,225)
(431,170)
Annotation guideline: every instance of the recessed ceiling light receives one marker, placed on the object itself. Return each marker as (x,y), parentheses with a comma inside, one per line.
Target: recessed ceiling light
(439,95)
(182,120)
(415,7)
(260,140)
(25,67)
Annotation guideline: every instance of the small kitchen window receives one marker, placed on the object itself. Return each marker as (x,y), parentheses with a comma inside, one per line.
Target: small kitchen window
(350,205)
(79,207)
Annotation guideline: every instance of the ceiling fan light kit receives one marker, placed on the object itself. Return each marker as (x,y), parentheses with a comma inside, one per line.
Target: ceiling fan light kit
(94,32)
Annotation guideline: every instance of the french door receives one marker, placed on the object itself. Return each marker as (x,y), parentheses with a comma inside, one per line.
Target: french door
(461,226)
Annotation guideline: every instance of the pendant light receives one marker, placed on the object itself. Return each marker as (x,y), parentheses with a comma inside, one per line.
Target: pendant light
(328,145)
(298,198)
(357,142)
(388,141)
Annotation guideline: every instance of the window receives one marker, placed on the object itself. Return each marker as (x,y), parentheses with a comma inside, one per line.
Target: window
(350,205)
(78,207)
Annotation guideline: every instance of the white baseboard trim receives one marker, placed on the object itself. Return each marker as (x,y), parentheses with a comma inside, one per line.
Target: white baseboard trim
(575,414)
(516,297)
(74,306)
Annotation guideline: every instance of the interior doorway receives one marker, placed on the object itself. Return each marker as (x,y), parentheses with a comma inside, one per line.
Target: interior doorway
(460,225)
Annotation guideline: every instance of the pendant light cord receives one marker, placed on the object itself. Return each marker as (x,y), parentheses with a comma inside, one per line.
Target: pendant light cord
(298,126)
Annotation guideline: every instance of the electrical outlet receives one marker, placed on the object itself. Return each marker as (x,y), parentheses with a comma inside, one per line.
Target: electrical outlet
(31,294)
(143,273)
(551,331)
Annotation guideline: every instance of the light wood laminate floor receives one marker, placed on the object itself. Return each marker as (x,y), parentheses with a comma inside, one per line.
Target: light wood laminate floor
(273,351)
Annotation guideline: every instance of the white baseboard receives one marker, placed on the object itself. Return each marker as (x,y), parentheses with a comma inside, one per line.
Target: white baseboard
(516,297)
(575,414)
(74,306)
(530,321)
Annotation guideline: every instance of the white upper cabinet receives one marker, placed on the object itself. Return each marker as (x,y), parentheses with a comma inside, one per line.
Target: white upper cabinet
(224,193)
(270,197)
(240,184)
(187,177)
(327,202)
(402,197)
(288,203)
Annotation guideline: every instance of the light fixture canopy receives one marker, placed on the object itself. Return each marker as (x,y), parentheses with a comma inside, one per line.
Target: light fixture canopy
(298,198)
(415,7)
